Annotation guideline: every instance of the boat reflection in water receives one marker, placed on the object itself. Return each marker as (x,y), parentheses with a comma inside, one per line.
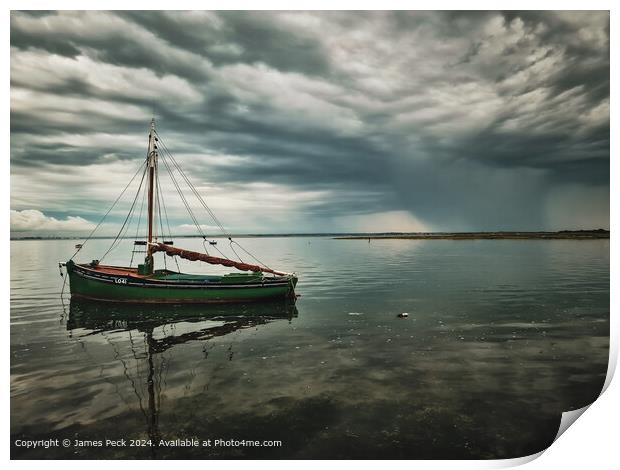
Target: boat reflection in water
(162,328)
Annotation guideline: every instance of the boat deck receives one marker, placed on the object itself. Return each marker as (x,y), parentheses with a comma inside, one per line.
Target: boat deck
(116,270)
(167,275)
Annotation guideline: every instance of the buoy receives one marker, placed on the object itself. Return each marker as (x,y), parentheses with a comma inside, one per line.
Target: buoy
(403,315)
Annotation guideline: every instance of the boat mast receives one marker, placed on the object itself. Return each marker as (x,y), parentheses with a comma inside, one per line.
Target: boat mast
(152,166)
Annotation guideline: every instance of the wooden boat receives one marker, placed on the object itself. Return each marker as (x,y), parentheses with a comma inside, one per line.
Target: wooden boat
(144,284)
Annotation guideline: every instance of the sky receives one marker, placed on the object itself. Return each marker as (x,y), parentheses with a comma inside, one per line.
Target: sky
(314,121)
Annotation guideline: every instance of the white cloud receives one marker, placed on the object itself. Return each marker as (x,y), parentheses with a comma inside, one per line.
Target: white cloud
(84,27)
(31,220)
(81,188)
(41,70)
(69,110)
(190,229)
(299,100)
(390,221)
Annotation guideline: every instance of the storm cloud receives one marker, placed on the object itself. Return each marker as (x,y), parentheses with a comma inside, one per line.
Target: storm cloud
(318,121)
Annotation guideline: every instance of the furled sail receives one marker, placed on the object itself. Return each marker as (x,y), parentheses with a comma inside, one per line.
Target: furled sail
(195,256)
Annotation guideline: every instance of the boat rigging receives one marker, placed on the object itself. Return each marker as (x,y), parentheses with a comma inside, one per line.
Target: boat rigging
(144,283)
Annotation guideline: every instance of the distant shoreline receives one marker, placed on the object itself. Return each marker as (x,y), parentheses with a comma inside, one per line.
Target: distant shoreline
(561,235)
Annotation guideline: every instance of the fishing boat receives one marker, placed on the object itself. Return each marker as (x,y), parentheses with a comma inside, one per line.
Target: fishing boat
(143,283)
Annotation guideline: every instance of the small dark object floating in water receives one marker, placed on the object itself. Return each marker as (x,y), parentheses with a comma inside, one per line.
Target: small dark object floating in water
(403,315)
(78,246)
(213,242)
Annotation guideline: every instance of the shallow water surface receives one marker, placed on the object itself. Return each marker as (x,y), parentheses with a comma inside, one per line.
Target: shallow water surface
(501,337)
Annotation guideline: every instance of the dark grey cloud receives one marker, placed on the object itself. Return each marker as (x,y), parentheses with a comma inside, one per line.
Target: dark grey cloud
(465,120)
(238,37)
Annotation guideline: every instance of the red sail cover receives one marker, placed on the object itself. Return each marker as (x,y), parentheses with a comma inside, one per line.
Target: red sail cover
(195,256)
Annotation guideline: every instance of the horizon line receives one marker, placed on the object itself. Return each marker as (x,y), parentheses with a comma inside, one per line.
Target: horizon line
(314,234)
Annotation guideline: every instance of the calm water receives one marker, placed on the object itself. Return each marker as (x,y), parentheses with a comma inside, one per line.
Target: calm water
(502,336)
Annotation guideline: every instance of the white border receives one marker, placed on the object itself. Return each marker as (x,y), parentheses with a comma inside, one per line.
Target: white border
(589,443)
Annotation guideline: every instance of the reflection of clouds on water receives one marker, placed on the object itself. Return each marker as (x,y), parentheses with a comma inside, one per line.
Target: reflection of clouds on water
(354,383)
(431,380)
(112,344)
(482,367)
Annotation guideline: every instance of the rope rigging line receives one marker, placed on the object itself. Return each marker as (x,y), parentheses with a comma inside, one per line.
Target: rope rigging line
(176,166)
(205,206)
(163,203)
(133,252)
(193,188)
(122,233)
(187,206)
(249,254)
(185,203)
(109,210)
(157,215)
(129,220)
(219,251)
(233,250)
(159,196)
(116,240)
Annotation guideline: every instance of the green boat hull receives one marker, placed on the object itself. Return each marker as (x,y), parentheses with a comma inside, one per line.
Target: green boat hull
(89,283)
